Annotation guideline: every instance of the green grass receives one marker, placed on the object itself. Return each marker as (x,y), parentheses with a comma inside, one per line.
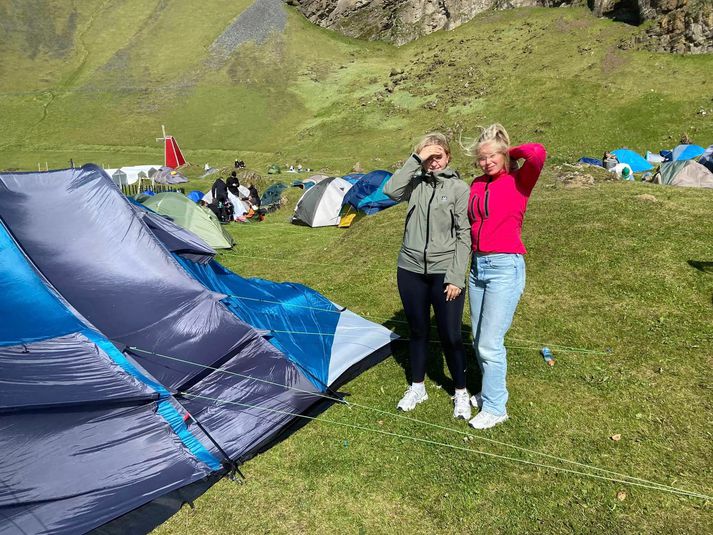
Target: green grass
(606,268)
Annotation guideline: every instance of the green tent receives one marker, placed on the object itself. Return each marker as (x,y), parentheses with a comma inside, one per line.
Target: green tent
(198,219)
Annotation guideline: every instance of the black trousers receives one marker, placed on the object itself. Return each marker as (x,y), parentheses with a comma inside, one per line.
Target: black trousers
(418,294)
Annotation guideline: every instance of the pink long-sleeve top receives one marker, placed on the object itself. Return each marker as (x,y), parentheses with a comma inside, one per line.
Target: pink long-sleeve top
(497,205)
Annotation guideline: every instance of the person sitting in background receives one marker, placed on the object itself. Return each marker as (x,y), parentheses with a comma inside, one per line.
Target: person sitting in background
(254,197)
(609,160)
(623,171)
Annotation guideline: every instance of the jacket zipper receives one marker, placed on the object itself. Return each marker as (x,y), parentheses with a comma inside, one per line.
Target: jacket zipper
(408,216)
(428,230)
(485,206)
(471,210)
(453,223)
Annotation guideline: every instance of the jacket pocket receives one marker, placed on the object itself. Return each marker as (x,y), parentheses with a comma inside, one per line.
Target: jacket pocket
(453,224)
(487,204)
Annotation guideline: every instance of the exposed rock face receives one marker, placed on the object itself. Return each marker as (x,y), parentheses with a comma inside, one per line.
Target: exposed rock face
(680,25)
(400,21)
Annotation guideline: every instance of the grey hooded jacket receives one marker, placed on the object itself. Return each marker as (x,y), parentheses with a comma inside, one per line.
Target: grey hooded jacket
(437,230)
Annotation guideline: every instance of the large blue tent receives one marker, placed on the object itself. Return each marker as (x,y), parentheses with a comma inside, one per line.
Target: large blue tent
(144,376)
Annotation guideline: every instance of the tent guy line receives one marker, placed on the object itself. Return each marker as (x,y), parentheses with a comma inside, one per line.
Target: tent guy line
(558,347)
(648,485)
(350,404)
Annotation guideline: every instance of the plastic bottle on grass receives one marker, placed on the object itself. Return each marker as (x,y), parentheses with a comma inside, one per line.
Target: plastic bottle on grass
(547,355)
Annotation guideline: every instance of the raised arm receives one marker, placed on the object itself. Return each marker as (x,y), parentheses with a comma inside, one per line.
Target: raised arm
(534,155)
(401,184)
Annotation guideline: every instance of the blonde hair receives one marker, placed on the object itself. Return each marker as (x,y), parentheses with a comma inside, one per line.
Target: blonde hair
(495,135)
(433,138)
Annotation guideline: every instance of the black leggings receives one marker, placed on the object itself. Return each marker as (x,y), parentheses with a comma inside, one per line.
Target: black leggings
(418,293)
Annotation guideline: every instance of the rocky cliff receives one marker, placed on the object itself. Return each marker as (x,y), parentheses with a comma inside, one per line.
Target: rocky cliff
(677,25)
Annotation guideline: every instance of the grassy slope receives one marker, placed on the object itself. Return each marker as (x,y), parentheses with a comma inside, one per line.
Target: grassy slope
(560,76)
(606,269)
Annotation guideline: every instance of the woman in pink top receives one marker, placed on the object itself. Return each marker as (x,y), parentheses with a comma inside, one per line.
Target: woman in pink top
(496,208)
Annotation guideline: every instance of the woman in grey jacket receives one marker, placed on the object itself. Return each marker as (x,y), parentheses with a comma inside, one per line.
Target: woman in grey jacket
(433,262)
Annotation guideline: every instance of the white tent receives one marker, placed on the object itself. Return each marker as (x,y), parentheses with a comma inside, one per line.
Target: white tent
(131,174)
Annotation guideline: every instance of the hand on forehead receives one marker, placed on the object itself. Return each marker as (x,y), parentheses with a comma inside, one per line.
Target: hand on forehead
(430,151)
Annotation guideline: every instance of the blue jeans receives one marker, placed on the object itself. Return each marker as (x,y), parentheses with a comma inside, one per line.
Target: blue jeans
(495,284)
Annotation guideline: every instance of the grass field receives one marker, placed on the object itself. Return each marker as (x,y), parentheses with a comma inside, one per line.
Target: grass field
(610,272)
(618,285)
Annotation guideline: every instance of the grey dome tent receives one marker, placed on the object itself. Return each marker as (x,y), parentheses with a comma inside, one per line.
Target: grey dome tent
(684,173)
(320,205)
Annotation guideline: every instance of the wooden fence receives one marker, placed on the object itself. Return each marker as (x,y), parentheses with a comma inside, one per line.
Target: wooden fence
(133,189)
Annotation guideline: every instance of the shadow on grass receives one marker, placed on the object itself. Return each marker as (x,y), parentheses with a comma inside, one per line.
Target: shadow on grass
(704,267)
(436,369)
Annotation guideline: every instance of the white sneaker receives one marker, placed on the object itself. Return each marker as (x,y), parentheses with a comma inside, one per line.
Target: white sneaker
(477,401)
(485,420)
(412,397)
(461,405)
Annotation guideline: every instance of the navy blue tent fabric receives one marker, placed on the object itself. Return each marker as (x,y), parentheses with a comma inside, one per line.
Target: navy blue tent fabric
(109,273)
(707,159)
(123,376)
(292,313)
(591,161)
(83,434)
(367,194)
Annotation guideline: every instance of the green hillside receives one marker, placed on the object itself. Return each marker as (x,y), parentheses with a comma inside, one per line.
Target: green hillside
(619,274)
(94,81)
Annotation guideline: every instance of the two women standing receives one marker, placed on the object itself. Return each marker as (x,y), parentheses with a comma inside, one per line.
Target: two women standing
(433,260)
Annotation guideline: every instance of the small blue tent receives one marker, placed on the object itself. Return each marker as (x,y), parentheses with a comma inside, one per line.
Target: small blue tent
(367,195)
(272,195)
(637,162)
(687,152)
(195,195)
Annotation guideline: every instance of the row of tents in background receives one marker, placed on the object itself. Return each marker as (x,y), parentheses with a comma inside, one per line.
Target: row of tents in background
(687,165)
(153,370)
(137,174)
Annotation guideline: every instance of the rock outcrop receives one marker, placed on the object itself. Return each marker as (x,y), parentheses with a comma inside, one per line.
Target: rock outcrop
(678,25)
